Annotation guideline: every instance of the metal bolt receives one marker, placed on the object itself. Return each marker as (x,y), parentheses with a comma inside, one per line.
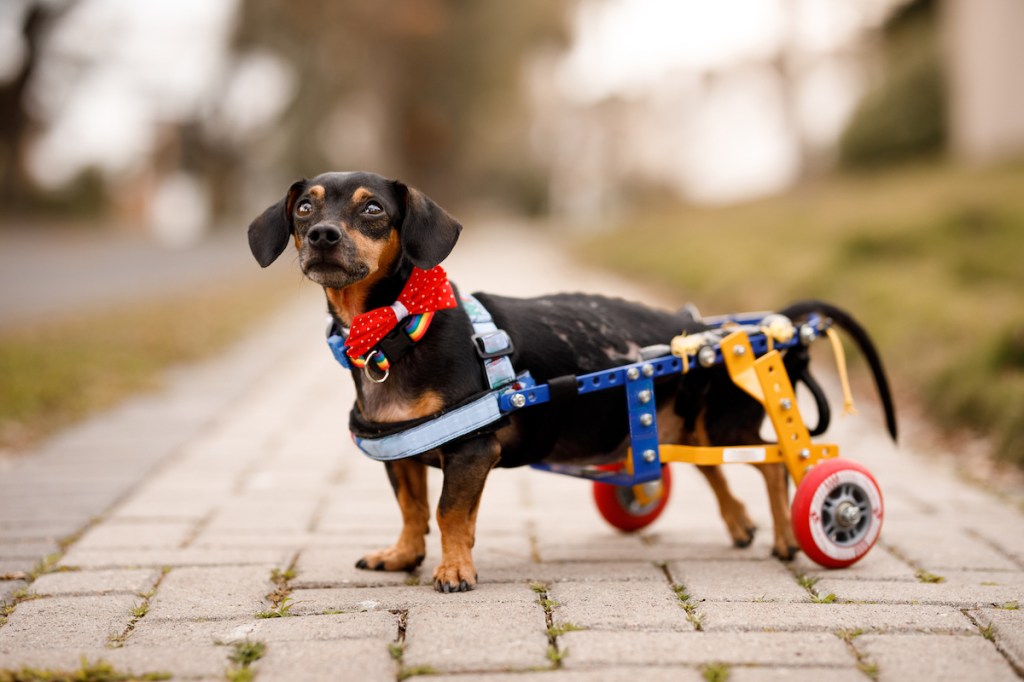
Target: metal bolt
(650,456)
(648,370)
(848,515)
(518,400)
(706,356)
(807,334)
(646,419)
(786,403)
(644,396)
(739,350)
(805,454)
(632,374)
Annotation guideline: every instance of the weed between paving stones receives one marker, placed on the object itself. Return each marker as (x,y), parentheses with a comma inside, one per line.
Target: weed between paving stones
(715,672)
(396,650)
(243,655)
(555,654)
(864,664)
(280,597)
(808,584)
(685,602)
(139,611)
(100,671)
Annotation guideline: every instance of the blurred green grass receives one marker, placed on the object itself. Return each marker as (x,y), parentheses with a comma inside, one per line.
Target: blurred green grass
(929,258)
(56,373)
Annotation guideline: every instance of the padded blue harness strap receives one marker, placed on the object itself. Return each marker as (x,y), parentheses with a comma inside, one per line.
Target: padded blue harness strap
(494,347)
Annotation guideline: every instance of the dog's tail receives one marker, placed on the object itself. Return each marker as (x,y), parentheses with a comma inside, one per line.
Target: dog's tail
(845,321)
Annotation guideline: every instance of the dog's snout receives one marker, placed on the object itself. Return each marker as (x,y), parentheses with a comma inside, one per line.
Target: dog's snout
(324,236)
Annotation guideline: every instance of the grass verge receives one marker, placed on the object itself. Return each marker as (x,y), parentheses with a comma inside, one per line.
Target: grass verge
(58,372)
(928,258)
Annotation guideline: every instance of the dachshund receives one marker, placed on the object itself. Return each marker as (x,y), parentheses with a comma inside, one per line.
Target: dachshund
(365,238)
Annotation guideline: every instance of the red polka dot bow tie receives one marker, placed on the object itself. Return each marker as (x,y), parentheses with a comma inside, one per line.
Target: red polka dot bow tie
(426,291)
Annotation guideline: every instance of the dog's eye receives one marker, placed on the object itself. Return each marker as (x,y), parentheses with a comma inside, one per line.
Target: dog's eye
(373,208)
(304,209)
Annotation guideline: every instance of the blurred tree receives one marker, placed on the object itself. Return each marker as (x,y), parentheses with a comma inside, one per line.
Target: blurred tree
(427,90)
(903,116)
(16,121)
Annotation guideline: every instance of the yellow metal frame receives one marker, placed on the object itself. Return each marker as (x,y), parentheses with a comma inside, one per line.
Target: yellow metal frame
(764,379)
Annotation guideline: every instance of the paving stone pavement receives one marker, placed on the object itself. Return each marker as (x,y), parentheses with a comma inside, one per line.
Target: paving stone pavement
(168,520)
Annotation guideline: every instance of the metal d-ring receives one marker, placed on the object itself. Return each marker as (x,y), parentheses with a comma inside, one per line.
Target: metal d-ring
(366,369)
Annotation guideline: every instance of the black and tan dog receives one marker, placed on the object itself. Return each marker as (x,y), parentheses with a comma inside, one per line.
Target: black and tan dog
(360,236)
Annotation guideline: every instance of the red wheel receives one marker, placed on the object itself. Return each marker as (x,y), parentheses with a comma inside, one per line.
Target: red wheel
(837,513)
(620,507)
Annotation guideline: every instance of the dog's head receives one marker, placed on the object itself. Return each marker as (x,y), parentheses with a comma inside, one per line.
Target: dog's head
(348,227)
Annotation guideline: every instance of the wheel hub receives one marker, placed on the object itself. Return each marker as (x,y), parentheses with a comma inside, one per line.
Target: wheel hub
(845,514)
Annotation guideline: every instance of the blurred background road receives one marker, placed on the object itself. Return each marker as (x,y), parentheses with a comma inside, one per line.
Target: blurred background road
(54,273)
(737,154)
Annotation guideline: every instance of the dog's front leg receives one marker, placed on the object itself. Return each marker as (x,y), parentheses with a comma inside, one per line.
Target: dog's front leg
(409,481)
(465,466)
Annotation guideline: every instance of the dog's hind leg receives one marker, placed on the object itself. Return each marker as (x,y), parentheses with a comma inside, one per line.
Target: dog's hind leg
(734,514)
(465,466)
(409,480)
(776,481)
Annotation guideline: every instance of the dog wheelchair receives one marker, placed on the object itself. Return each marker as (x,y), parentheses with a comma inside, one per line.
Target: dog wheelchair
(837,509)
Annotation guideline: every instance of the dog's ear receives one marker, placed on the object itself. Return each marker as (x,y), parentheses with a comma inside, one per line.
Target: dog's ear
(427,232)
(268,234)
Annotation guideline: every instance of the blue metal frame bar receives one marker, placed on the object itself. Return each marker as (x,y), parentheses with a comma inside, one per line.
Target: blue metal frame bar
(638,378)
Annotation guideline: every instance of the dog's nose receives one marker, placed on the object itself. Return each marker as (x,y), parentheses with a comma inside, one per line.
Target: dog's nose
(324,235)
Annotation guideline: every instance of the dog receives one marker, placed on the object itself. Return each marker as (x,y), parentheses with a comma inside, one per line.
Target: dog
(362,237)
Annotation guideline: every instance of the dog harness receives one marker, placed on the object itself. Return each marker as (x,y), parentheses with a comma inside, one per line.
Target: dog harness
(510,392)
(404,439)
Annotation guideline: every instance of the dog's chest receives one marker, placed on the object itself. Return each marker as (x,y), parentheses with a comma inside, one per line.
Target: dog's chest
(384,404)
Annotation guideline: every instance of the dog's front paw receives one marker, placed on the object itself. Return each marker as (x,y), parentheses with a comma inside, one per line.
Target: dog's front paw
(455,577)
(395,558)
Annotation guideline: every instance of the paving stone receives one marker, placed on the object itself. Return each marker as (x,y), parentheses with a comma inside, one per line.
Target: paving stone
(647,673)
(127,581)
(49,530)
(336,567)
(380,625)
(135,535)
(782,617)
(9,587)
(583,571)
(935,658)
(211,592)
(1009,631)
(599,647)
(268,512)
(618,605)
(84,622)
(191,662)
(878,564)
(937,547)
(452,637)
(786,674)
(27,549)
(737,581)
(191,556)
(172,506)
(16,567)
(361,659)
(1005,532)
(962,589)
(360,599)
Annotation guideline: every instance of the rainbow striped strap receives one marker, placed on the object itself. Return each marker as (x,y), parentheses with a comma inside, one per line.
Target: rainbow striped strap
(414,327)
